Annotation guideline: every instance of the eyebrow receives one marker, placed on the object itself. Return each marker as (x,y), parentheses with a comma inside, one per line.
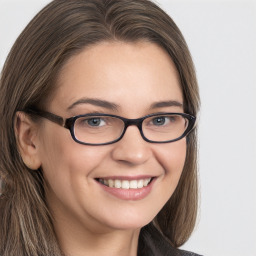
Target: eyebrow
(115,107)
(95,102)
(169,103)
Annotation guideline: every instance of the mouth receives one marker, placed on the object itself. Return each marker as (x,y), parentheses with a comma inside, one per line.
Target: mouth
(125,184)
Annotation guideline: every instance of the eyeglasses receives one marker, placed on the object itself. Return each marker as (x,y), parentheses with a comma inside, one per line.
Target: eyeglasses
(103,129)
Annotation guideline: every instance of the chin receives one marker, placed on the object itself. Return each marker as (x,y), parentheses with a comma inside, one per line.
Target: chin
(130,220)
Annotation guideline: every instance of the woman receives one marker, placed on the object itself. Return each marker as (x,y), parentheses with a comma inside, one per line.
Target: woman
(98,101)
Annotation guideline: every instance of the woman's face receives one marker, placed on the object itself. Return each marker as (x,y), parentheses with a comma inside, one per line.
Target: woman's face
(126,79)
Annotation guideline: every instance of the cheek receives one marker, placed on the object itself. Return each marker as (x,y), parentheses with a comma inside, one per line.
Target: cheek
(67,167)
(55,158)
(64,160)
(172,156)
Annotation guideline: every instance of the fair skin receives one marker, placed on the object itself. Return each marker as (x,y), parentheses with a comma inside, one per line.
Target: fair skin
(88,219)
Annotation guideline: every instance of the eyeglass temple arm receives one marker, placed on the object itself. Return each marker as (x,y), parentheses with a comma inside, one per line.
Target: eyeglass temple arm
(52,117)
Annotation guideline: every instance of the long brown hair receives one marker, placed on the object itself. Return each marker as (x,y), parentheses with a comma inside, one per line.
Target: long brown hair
(61,30)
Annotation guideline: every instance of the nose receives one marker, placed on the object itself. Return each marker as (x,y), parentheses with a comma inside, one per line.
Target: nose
(132,148)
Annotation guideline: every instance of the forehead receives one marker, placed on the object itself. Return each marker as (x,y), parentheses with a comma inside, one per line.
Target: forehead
(119,72)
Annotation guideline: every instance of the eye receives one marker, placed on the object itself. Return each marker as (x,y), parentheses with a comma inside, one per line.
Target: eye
(165,121)
(96,121)
(91,122)
(161,120)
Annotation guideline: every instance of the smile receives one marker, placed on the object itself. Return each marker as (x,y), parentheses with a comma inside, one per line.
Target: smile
(127,188)
(125,184)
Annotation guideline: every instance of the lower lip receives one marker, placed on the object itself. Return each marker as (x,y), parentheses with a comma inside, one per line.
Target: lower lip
(129,194)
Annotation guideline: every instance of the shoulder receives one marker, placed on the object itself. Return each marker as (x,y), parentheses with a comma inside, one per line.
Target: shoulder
(152,243)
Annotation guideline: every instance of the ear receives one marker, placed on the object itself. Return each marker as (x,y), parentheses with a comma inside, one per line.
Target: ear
(26,137)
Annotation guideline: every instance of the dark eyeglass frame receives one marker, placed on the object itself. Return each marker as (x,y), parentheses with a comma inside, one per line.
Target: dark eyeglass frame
(69,123)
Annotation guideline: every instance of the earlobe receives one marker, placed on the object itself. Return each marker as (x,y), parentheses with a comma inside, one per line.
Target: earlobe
(26,135)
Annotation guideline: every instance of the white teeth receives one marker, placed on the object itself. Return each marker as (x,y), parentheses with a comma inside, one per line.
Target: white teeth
(140,184)
(111,183)
(146,181)
(125,184)
(118,184)
(133,184)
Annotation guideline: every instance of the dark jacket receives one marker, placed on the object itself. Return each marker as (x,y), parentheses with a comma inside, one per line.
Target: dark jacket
(152,243)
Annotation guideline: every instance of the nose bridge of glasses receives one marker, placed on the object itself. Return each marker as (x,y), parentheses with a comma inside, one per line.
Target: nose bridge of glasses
(133,122)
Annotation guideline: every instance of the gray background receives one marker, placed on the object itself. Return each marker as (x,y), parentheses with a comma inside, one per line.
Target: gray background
(222,39)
